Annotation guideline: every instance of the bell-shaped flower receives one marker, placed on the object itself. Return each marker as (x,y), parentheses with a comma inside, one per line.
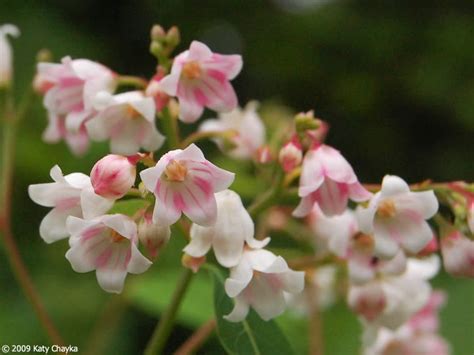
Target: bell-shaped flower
(328,180)
(333,233)
(396,218)
(200,78)
(233,228)
(113,176)
(260,281)
(153,236)
(390,300)
(107,244)
(70,89)
(70,195)
(184,181)
(6,56)
(245,130)
(128,120)
(458,254)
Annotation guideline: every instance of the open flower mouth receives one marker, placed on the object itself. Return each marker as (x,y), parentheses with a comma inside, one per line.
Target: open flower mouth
(386,209)
(176,171)
(192,70)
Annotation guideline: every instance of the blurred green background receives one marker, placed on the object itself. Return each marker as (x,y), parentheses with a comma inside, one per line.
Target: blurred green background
(395,80)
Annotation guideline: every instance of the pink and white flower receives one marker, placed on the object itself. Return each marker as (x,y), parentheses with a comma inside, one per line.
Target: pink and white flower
(128,120)
(390,300)
(70,88)
(233,228)
(246,127)
(200,78)
(396,218)
(260,281)
(113,176)
(6,56)
(107,244)
(458,254)
(328,180)
(184,181)
(334,233)
(70,195)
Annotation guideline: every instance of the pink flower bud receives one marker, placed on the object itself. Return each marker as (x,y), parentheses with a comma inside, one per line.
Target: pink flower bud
(458,254)
(153,236)
(113,176)
(290,155)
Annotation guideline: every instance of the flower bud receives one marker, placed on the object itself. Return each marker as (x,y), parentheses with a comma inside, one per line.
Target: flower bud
(458,254)
(306,121)
(153,236)
(113,176)
(290,155)
(173,36)
(157,33)
(192,262)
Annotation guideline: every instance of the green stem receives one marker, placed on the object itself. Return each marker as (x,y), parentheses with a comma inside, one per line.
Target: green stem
(269,197)
(162,331)
(170,128)
(16,262)
(129,80)
(197,136)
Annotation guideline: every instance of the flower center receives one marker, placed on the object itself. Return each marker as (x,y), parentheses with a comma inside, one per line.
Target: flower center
(192,70)
(131,112)
(386,209)
(363,242)
(116,237)
(175,171)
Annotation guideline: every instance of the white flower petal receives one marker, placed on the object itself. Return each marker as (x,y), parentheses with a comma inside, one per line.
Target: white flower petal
(239,312)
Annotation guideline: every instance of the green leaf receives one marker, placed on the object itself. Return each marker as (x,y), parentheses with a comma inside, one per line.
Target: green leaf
(129,207)
(251,336)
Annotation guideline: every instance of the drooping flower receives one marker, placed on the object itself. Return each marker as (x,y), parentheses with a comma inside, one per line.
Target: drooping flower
(396,218)
(260,281)
(184,181)
(70,88)
(113,176)
(390,300)
(248,130)
(107,244)
(233,228)
(128,120)
(70,195)
(333,233)
(153,236)
(328,180)
(6,56)
(200,78)
(458,254)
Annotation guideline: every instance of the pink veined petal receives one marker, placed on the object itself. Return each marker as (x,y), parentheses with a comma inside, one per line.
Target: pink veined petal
(53,225)
(201,241)
(111,271)
(220,95)
(198,51)
(221,179)
(335,165)
(165,211)
(358,193)
(122,224)
(239,312)
(189,109)
(150,177)
(78,142)
(229,65)
(332,197)
(304,207)
(312,174)
(191,152)
(75,226)
(393,185)
(199,205)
